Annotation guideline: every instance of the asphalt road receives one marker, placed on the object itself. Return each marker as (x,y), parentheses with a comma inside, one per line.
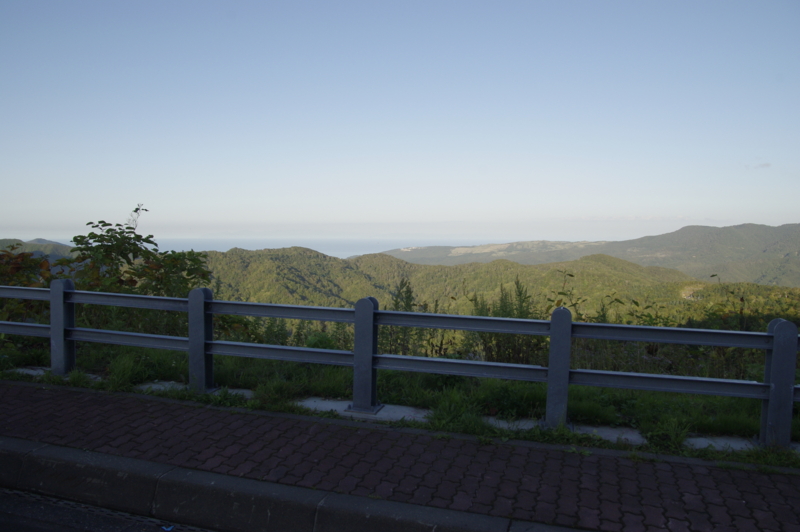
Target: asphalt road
(27,512)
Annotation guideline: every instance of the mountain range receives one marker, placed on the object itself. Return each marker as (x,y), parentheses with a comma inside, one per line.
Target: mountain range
(672,265)
(753,253)
(306,277)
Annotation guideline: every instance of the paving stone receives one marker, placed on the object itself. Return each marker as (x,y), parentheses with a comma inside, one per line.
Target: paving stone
(603,491)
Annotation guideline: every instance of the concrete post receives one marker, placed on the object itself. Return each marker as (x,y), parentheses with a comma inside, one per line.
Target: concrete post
(365,377)
(201,364)
(558,368)
(62,318)
(779,373)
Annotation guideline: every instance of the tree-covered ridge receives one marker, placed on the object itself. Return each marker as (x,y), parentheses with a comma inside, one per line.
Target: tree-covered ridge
(649,294)
(295,275)
(741,253)
(38,247)
(304,276)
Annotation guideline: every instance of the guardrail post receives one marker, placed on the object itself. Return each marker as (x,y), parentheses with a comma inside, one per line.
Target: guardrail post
(365,344)
(62,317)
(779,373)
(201,364)
(558,368)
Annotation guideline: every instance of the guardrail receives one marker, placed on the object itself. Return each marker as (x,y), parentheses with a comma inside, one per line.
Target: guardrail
(777,392)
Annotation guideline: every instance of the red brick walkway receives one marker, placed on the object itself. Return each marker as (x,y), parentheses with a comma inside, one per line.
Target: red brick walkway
(601,491)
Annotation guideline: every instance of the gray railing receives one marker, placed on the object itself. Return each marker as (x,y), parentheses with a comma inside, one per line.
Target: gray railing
(777,392)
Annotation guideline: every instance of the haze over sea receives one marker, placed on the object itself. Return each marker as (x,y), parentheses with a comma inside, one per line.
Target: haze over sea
(335,247)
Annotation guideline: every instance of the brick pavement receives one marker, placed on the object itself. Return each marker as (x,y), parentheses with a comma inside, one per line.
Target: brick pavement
(519,480)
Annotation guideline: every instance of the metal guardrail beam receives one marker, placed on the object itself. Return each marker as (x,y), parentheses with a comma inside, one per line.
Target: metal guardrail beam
(19,292)
(297,312)
(463,323)
(128,300)
(25,329)
(671,335)
(281,352)
(154,341)
(669,383)
(464,368)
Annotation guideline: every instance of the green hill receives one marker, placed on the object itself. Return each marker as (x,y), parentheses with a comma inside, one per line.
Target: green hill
(743,253)
(303,276)
(665,296)
(38,246)
(290,275)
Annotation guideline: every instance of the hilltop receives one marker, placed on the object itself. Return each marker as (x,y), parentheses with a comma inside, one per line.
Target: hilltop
(39,247)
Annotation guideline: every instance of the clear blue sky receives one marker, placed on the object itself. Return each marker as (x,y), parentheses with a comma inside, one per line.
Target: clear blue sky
(492,121)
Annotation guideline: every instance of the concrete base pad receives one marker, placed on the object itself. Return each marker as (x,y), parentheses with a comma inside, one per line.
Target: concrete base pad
(160,386)
(248,394)
(721,443)
(517,424)
(387,413)
(33,371)
(613,434)
(39,371)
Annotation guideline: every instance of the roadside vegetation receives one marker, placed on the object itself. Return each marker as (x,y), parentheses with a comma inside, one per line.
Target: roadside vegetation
(116,258)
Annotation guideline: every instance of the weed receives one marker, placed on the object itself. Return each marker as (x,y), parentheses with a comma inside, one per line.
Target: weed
(407,424)
(79,379)
(582,452)
(775,457)
(51,378)
(667,435)
(225,397)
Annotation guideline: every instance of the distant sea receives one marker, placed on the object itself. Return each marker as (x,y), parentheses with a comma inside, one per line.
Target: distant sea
(335,247)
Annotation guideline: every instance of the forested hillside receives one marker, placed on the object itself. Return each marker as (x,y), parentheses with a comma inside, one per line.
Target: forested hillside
(743,253)
(290,275)
(304,276)
(627,291)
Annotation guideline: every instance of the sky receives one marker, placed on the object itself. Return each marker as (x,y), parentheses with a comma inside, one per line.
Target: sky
(413,121)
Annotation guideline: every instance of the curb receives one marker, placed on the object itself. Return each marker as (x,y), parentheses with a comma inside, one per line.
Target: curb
(222,502)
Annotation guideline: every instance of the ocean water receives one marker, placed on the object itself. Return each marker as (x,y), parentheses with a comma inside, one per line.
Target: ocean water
(335,247)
